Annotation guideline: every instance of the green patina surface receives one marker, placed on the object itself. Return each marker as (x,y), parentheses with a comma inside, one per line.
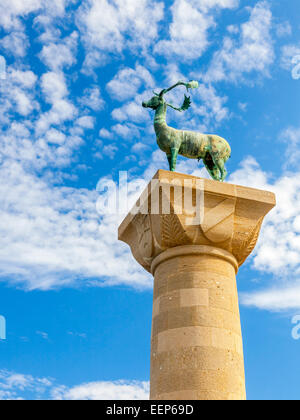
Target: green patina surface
(213,150)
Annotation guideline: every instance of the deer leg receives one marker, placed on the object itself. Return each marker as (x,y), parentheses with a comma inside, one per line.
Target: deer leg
(211,167)
(170,161)
(174,156)
(219,162)
(214,172)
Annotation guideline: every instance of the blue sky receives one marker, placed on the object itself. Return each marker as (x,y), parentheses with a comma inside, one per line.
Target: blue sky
(78,308)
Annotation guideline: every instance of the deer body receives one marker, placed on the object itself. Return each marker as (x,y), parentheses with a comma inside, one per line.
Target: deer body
(212,149)
(189,144)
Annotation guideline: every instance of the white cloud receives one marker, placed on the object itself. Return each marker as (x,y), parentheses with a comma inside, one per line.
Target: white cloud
(56,8)
(290,56)
(56,137)
(105,134)
(250,175)
(189,29)
(52,237)
(206,5)
(92,99)
(15,43)
(54,150)
(26,79)
(110,150)
(128,81)
(24,105)
(254,51)
(209,105)
(278,249)
(126,86)
(54,86)
(43,334)
(48,32)
(243,106)
(124,23)
(17,94)
(126,131)
(284,29)
(93,59)
(86,122)
(12,12)
(62,110)
(188,32)
(59,55)
(55,90)
(140,148)
(291,136)
(118,390)
(15,386)
(132,111)
(274,299)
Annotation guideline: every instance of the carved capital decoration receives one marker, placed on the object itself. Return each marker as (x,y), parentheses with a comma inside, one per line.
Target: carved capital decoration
(220,215)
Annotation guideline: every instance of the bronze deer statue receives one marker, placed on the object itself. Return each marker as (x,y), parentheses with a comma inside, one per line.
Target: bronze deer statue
(212,149)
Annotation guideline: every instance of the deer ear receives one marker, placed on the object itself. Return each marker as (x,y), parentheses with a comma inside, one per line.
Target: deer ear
(156,94)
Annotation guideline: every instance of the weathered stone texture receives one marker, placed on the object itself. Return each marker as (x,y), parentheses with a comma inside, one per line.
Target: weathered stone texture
(196,342)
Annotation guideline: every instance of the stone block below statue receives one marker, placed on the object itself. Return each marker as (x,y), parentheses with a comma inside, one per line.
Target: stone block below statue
(193,235)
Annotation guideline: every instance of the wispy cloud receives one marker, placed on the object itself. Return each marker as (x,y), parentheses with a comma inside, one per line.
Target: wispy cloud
(274,299)
(59,55)
(124,24)
(128,81)
(189,30)
(14,386)
(117,390)
(278,248)
(52,235)
(250,52)
(43,334)
(15,44)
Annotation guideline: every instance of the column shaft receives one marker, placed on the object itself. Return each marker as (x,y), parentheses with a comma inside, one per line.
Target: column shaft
(196,349)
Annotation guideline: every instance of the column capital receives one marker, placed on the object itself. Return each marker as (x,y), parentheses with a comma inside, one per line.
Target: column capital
(177,210)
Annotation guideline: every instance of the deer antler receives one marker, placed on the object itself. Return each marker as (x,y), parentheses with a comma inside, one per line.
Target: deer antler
(186,104)
(190,85)
(187,100)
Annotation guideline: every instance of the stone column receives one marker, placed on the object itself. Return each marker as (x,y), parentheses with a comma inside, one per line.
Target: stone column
(193,235)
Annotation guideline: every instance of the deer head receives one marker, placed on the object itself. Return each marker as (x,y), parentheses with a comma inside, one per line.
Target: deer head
(156,101)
